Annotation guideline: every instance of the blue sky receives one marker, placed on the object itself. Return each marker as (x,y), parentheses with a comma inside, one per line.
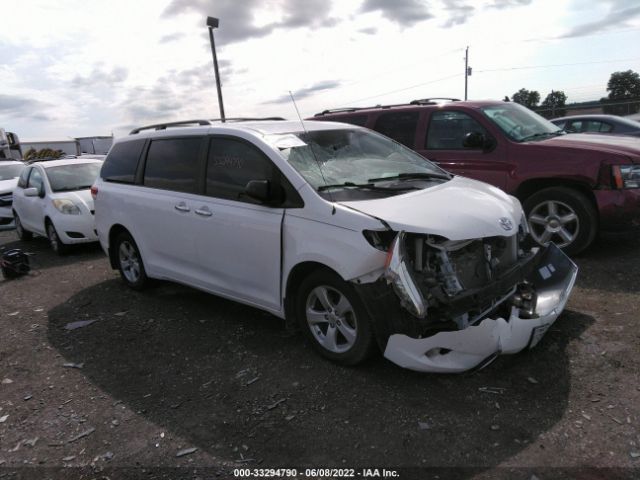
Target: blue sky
(76,68)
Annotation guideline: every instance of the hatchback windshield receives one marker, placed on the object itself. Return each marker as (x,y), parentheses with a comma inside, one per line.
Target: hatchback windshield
(349,157)
(7,172)
(520,123)
(73,177)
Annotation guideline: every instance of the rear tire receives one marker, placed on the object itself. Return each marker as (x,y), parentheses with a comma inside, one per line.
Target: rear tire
(333,319)
(23,234)
(564,216)
(129,262)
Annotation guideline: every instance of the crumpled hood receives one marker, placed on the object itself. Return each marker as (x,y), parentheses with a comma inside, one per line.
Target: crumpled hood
(80,197)
(459,209)
(7,186)
(621,144)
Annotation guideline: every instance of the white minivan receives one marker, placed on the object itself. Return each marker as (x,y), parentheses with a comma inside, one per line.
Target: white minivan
(358,240)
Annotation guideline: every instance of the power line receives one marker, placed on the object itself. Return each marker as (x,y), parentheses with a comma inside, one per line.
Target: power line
(527,67)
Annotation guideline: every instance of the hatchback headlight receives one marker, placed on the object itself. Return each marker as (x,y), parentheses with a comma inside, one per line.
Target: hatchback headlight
(66,206)
(626,176)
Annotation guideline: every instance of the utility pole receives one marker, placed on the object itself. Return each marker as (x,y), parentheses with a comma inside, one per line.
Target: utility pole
(467,71)
(211,24)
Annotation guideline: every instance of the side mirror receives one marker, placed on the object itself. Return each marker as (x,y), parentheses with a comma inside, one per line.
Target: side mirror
(31,192)
(474,140)
(264,191)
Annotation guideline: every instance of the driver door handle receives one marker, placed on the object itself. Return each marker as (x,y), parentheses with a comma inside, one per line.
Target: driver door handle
(182,207)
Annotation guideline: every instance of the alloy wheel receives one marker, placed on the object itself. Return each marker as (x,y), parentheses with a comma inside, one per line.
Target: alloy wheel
(129,261)
(555,221)
(331,319)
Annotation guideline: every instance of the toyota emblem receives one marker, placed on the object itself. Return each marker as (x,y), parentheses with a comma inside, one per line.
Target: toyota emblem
(506,223)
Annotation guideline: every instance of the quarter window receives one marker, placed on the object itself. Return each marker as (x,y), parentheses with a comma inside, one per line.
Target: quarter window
(172,164)
(231,165)
(122,162)
(359,120)
(447,130)
(22,181)
(401,126)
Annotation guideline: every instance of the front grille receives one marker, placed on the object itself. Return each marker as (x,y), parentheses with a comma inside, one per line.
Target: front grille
(6,200)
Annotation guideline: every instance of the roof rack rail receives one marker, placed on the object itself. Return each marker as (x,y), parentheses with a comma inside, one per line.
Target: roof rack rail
(432,101)
(248,119)
(163,126)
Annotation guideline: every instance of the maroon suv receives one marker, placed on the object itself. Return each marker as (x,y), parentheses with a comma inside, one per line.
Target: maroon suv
(570,185)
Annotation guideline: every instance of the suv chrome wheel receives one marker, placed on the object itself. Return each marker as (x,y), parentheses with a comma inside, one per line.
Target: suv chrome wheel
(555,221)
(331,319)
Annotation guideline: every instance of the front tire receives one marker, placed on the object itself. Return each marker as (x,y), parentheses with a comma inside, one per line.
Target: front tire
(23,234)
(56,244)
(129,262)
(563,216)
(333,319)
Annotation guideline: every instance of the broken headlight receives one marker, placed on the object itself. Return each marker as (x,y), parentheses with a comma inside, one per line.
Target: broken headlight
(398,273)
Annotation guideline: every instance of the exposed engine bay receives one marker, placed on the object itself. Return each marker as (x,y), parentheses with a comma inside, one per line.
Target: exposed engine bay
(471,300)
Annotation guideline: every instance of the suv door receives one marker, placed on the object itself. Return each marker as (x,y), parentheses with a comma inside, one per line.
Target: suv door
(239,240)
(162,209)
(444,144)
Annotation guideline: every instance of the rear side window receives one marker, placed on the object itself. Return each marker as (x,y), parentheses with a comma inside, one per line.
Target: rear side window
(401,126)
(173,164)
(122,162)
(231,165)
(22,181)
(359,120)
(447,130)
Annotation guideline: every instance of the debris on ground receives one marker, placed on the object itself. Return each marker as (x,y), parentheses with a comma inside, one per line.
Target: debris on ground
(79,324)
(3,418)
(81,435)
(532,380)
(424,426)
(186,451)
(495,390)
(6,381)
(276,403)
(27,397)
(73,365)
(253,380)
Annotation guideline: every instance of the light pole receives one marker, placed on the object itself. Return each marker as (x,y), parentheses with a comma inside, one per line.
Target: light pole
(213,23)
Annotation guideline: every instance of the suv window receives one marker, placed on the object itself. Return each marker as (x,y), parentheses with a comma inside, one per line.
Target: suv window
(173,164)
(231,165)
(447,130)
(122,162)
(401,126)
(574,126)
(359,120)
(35,180)
(22,181)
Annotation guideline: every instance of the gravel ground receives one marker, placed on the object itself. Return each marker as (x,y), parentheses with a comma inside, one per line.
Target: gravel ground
(175,383)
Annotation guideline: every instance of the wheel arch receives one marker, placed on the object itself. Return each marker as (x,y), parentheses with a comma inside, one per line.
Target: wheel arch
(534,185)
(295,277)
(114,231)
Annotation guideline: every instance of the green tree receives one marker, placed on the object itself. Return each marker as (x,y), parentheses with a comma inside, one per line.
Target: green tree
(623,88)
(553,104)
(528,98)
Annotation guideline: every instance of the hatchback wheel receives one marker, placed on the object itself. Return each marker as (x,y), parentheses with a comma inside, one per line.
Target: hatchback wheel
(333,318)
(562,216)
(130,262)
(54,240)
(22,233)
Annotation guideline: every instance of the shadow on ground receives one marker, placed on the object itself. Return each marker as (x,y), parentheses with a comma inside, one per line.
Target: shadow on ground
(225,376)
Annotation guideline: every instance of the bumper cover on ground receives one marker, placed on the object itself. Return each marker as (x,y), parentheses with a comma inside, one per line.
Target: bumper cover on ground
(475,346)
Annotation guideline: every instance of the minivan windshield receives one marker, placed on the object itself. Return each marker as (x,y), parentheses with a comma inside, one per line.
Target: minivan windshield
(77,176)
(8,172)
(519,123)
(358,158)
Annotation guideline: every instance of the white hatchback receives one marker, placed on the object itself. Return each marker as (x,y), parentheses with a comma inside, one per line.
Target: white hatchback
(53,199)
(358,240)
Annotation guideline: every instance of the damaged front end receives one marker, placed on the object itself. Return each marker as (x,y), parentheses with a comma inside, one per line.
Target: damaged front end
(466,302)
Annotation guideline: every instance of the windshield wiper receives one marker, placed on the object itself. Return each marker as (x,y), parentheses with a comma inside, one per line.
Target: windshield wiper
(364,186)
(71,189)
(545,134)
(412,176)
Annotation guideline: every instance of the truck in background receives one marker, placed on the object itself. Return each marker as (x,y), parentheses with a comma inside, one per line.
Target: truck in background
(9,146)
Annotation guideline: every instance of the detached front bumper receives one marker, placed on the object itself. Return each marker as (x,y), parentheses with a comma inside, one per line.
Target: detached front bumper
(474,347)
